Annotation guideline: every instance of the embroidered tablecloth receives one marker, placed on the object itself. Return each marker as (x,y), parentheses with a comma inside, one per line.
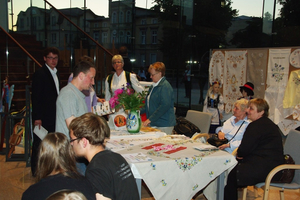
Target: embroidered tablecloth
(174,169)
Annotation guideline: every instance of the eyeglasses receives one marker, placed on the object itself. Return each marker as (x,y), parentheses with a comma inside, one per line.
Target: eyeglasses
(117,62)
(153,74)
(53,58)
(79,138)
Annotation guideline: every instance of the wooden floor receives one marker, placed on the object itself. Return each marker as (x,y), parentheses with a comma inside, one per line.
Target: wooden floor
(15,178)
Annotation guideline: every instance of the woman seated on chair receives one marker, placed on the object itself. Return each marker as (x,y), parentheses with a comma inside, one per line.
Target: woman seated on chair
(56,170)
(260,151)
(233,129)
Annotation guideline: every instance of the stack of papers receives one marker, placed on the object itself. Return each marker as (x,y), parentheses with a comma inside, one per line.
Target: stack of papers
(205,147)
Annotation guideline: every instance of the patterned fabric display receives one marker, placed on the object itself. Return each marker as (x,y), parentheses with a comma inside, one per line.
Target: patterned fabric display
(216,67)
(256,70)
(277,78)
(234,76)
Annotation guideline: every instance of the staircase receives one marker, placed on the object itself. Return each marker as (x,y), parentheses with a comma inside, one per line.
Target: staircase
(20,68)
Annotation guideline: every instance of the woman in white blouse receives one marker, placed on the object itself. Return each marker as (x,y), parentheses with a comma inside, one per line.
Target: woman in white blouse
(119,79)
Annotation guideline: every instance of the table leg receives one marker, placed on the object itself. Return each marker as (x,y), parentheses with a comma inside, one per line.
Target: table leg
(220,186)
(139,186)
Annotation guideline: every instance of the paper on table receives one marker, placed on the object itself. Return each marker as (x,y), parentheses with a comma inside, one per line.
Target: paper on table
(41,133)
(205,147)
(137,157)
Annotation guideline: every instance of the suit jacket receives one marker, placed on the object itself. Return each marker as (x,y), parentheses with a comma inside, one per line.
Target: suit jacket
(261,149)
(44,95)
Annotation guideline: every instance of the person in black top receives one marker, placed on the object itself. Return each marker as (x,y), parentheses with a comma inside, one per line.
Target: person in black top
(109,173)
(56,170)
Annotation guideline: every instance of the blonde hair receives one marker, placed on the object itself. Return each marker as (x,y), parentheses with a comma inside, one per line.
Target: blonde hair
(56,155)
(117,57)
(243,103)
(67,195)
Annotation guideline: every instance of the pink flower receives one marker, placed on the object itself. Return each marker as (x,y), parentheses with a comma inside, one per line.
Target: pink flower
(118,91)
(113,102)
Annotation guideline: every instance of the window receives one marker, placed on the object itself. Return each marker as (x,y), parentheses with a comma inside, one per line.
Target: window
(66,38)
(143,21)
(114,18)
(39,21)
(143,36)
(53,38)
(53,20)
(154,21)
(128,37)
(22,23)
(96,25)
(128,16)
(104,37)
(34,23)
(121,17)
(143,60)
(114,36)
(27,21)
(104,24)
(154,36)
(153,57)
(121,37)
(96,35)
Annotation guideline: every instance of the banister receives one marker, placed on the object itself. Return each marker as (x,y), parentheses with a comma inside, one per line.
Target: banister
(79,28)
(25,51)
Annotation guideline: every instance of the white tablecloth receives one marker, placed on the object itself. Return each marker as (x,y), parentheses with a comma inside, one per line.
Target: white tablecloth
(177,175)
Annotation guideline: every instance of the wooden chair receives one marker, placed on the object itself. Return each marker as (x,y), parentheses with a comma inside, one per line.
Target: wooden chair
(200,119)
(291,147)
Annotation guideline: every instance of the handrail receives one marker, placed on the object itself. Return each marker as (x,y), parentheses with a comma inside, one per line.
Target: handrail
(79,28)
(25,51)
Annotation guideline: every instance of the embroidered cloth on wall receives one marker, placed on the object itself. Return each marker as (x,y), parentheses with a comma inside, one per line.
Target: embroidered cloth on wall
(277,78)
(234,76)
(292,92)
(216,67)
(256,70)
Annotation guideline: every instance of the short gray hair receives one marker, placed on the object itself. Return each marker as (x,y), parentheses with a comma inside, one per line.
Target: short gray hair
(243,103)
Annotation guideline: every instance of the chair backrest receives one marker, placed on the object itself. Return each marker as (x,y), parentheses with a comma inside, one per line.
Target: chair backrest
(200,119)
(292,147)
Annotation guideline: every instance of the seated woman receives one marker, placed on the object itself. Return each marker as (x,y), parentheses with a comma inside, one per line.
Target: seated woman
(159,104)
(67,195)
(233,129)
(120,78)
(56,170)
(260,151)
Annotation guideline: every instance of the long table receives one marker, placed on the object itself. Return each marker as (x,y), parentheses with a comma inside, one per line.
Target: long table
(171,167)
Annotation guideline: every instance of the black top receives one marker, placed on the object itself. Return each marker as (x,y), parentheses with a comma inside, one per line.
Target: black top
(261,149)
(51,184)
(111,176)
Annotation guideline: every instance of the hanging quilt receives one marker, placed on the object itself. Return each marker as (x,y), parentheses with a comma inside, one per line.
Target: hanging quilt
(277,78)
(256,70)
(234,76)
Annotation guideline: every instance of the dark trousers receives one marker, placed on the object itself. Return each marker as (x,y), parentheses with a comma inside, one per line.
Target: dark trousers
(34,153)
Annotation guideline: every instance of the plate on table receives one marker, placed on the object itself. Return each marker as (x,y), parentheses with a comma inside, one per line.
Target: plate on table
(149,129)
(295,58)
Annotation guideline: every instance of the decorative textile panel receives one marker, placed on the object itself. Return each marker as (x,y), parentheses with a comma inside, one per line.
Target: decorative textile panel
(277,78)
(216,67)
(234,76)
(256,70)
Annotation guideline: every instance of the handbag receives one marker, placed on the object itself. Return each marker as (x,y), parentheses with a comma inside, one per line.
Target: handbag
(183,126)
(215,141)
(287,174)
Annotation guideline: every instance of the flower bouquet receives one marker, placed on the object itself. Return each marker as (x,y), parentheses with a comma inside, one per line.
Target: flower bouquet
(127,98)
(131,101)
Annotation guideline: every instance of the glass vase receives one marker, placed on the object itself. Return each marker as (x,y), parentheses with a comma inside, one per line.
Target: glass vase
(133,121)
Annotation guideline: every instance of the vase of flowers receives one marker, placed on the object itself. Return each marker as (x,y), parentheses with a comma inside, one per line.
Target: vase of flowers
(131,101)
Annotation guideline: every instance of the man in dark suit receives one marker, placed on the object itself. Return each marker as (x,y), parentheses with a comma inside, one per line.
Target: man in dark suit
(45,89)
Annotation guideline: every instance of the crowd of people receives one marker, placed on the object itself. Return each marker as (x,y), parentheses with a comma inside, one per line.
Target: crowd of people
(72,159)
